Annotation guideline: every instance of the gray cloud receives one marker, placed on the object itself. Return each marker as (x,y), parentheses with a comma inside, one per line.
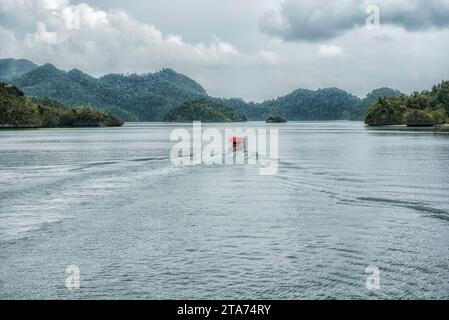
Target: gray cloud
(219,43)
(316,20)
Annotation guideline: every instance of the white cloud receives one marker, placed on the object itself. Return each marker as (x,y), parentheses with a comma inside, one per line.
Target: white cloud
(240,60)
(53,4)
(42,36)
(8,41)
(330,51)
(105,41)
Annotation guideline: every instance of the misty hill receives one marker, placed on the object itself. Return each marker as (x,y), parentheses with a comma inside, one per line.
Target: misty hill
(304,105)
(145,97)
(13,68)
(19,111)
(204,110)
(149,97)
(321,104)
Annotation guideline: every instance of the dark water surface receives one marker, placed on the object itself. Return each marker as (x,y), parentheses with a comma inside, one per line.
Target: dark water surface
(110,201)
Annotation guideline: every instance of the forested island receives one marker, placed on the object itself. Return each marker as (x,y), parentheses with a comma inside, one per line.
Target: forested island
(421,109)
(276,119)
(203,110)
(19,111)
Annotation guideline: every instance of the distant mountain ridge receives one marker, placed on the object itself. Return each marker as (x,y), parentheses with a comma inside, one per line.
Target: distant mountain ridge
(321,104)
(13,68)
(145,97)
(149,97)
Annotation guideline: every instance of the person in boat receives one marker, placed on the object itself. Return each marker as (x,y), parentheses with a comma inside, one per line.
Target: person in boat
(237,144)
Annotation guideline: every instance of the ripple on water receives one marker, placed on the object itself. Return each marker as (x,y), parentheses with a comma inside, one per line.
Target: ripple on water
(138,227)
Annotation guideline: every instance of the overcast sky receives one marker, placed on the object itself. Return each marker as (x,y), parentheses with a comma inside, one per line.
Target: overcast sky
(255,49)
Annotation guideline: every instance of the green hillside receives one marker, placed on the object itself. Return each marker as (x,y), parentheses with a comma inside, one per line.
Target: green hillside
(145,97)
(19,111)
(204,110)
(426,108)
(359,112)
(149,97)
(322,104)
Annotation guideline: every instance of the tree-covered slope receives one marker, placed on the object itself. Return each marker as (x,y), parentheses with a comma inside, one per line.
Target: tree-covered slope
(145,97)
(204,110)
(322,104)
(251,110)
(149,97)
(73,88)
(19,111)
(359,112)
(425,108)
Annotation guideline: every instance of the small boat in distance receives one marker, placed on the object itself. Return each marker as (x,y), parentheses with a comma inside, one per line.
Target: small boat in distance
(237,144)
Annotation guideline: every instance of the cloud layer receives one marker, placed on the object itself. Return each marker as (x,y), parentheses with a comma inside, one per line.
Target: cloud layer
(220,43)
(82,36)
(316,20)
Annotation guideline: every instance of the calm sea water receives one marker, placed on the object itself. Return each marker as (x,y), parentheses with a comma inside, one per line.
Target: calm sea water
(110,202)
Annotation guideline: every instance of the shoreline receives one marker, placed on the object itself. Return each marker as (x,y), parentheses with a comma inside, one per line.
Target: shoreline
(403,127)
(6,127)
